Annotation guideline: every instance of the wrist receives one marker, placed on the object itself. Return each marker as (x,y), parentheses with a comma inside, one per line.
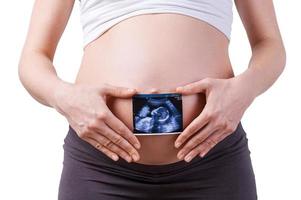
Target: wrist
(247,80)
(60,89)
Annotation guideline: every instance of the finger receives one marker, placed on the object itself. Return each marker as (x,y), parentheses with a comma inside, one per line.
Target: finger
(195,87)
(120,141)
(151,90)
(103,149)
(196,140)
(192,128)
(111,146)
(211,141)
(118,126)
(117,91)
(154,91)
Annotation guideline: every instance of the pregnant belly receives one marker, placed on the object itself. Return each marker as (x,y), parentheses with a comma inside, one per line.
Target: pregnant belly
(172,50)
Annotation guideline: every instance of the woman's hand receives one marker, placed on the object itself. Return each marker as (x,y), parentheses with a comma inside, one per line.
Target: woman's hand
(226,101)
(86,110)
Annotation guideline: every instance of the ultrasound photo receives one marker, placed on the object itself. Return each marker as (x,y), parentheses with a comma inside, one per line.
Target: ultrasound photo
(155,114)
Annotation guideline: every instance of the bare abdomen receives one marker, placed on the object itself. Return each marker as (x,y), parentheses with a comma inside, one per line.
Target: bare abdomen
(159,51)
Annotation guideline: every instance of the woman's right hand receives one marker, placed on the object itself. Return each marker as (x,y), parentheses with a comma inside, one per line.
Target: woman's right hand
(87,112)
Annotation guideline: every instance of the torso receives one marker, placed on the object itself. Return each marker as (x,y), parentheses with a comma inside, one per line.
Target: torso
(159,51)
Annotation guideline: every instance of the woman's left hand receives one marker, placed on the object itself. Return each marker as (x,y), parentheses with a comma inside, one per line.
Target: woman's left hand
(226,101)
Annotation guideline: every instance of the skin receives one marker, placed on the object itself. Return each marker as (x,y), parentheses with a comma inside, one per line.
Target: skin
(46,87)
(220,116)
(97,105)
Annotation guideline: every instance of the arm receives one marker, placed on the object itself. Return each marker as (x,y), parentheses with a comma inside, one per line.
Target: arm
(84,106)
(228,99)
(268,53)
(36,70)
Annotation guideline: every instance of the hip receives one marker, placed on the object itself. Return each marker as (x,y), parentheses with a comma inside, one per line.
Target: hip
(83,152)
(225,172)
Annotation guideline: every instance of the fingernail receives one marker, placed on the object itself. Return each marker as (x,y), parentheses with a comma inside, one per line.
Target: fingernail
(115,157)
(129,159)
(177,144)
(188,158)
(131,90)
(137,145)
(135,157)
(203,154)
(179,88)
(180,155)
(153,90)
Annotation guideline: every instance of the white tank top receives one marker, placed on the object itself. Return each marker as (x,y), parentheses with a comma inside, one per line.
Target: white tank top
(97,16)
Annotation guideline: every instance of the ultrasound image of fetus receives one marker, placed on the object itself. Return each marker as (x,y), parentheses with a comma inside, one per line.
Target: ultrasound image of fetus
(157,113)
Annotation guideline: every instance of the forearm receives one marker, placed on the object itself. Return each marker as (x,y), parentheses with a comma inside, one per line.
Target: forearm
(38,76)
(265,66)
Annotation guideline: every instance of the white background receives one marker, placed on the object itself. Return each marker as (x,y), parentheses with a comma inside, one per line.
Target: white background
(31,135)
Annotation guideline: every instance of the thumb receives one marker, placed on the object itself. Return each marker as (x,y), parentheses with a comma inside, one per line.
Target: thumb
(117,91)
(195,87)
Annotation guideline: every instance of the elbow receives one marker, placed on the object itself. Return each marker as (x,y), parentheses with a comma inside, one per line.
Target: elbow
(22,68)
(277,46)
(282,57)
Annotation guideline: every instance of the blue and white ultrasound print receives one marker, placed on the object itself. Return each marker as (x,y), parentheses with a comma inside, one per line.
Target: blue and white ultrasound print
(155,114)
